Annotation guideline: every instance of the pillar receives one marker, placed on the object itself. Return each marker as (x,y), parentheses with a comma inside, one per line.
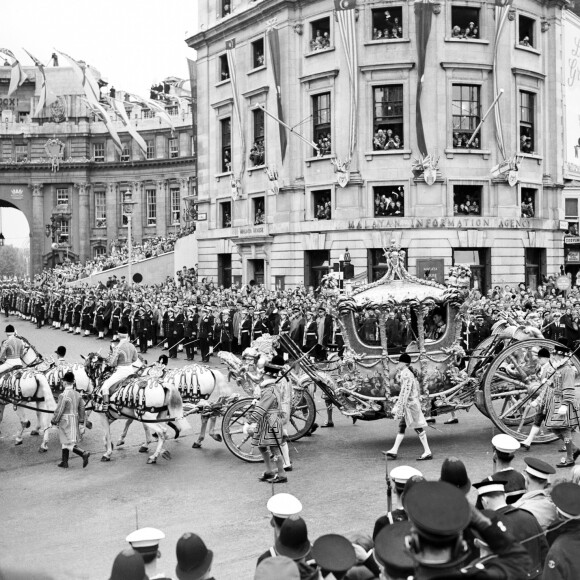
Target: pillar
(37,229)
(112,203)
(162,207)
(137,224)
(84,221)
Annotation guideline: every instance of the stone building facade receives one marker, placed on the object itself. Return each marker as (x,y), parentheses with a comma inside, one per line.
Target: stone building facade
(81,196)
(462,210)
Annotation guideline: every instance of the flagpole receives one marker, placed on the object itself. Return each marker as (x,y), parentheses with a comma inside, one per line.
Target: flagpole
(311,143)
(485,117)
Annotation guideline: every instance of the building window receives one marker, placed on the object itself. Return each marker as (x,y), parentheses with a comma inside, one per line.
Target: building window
(62,196)
(151,197)
(389,200)
(320,34)
(467,199)
(527,115)
(257,152)
(388,24)
(528,202)
(226,136)
(259,211)
(466,110)
(226,214)
(322,204)
(125,154)
(225,270)
(99,152)
(464,22)
(173,148)
(173,110)
(175,202)
(258,58)
(100,209)
(388,117)
(150,148)
(571,216)
(526,31)
(321,115)
(63,231)
(148,114)
(535,264)
(226,8)
(479,262)
(21,152)
(224,68)
(99,251)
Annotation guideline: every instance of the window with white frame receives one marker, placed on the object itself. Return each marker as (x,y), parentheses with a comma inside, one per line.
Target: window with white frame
(175,203)
(224,68)
(321,113)
(100,209)
(571,215)
(21,151)
(387,23)
(99,251)
(527,118)
(150,148)
(173,148)
(99,152)
(466,112)
(467,199)
(63,231)
(259,211)
(257,151)
(226,8)
(526,28)
(320,34)
(389,200)
(226,214)
(226,144)
(528,202)
(172,110)
(126,153)
(322,204)
(258,58)
(62,196)
(464,22)
(151,200)
(388,117)
(148,114)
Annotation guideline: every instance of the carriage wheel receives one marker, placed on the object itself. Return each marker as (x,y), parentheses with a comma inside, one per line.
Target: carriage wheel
(236,441)
(507,385)
(302,415)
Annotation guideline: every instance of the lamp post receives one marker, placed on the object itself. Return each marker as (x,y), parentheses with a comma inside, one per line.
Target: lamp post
(53,229)
(128,204)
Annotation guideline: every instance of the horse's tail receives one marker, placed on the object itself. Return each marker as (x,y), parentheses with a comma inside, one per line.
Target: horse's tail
(222,386)
(175,409)
(45,391)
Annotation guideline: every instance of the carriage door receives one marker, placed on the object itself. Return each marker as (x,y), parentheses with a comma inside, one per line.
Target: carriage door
(479,262)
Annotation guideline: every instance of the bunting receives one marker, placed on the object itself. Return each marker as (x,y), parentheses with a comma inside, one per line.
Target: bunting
(423,14)
(160,112)
(119,108)
(274,45)
(17,74)
(231,56)
(46,98)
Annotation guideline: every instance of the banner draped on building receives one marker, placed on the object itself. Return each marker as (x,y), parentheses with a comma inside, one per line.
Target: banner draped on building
(423,17)
(345,11)
(93,96)
(17,74)
(274,45)
(231,55)
(119,108)
(46,98)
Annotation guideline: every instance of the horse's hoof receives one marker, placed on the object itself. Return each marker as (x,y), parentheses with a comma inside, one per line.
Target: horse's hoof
(104,459)
(34,433)
(217,438)
(42,450)
(120,442)
(18,442)
(151,460)
(196,445)
(166,455)
(143,449)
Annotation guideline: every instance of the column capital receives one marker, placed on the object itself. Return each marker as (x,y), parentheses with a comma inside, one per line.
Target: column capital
(82,187)
(112,187)
(137,185)
(37,189)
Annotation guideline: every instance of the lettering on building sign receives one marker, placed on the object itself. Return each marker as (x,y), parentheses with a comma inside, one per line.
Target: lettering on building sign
(253,231)
(448,223)
(8,103)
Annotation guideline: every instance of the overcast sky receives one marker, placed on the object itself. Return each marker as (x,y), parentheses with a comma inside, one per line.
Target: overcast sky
(131,42)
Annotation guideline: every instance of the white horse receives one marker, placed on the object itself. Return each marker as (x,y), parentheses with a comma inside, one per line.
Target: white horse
(196,384)
(144,399)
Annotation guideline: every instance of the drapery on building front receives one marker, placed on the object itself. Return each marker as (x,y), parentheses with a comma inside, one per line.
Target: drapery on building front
(82,197)
(350,82)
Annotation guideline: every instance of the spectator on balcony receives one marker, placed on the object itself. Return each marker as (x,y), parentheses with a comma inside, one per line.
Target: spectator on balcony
(528,208)
(471,31)
(525,41)
(379,140)
(456,32)
(257,153)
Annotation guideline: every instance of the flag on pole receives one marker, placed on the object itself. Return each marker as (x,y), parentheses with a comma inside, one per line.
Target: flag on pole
(17,74)
(344,4)
(46,98)
(231,56)
(274,44)
(119,108)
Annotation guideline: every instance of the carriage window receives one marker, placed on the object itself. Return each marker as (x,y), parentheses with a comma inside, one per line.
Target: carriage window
(389,201)
(435,324)
(400,328)
(467,200)
(388,24)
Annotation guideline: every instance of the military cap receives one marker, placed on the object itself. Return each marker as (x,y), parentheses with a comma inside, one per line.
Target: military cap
(439,511)
(505,443)
(145,540)
(9,328)
(544,353)
(538,468)
(490,484)
(60,351)
(391,552)
(561,349)
(401,474)
(68,377)
(334,553)
(284,505)
(123,330)
(276,568)
(566,497)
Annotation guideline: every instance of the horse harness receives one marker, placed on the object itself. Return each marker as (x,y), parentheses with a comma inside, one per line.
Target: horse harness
(190,391)
(11,391)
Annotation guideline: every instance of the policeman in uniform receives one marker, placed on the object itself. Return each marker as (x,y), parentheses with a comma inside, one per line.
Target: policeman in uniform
(391,555)
(439,514)
(504,447)
(124,358)
(537,499)
(281,506)
(563,560)
(145,541)
(11,351)
(522,525)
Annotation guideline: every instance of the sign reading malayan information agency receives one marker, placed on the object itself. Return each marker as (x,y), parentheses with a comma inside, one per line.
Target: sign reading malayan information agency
(453,223)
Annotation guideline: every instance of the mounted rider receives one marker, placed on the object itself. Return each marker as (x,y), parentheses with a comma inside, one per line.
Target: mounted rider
(11,351)
(125,360)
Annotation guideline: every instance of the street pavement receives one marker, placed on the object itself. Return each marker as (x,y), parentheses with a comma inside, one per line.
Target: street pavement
(72,523)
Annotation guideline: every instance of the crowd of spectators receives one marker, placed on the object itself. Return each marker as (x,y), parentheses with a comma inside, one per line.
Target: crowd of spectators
(461,141)
(470,32)
(386,140)
(391,204)
(320,41)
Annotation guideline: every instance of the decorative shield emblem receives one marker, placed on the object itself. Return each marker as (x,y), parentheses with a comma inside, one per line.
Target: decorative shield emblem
(55,150)
(430,175)
(342,178)
(58,110)
(513,178)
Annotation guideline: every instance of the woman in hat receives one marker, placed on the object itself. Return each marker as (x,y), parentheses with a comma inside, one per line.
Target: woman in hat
(408,410)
